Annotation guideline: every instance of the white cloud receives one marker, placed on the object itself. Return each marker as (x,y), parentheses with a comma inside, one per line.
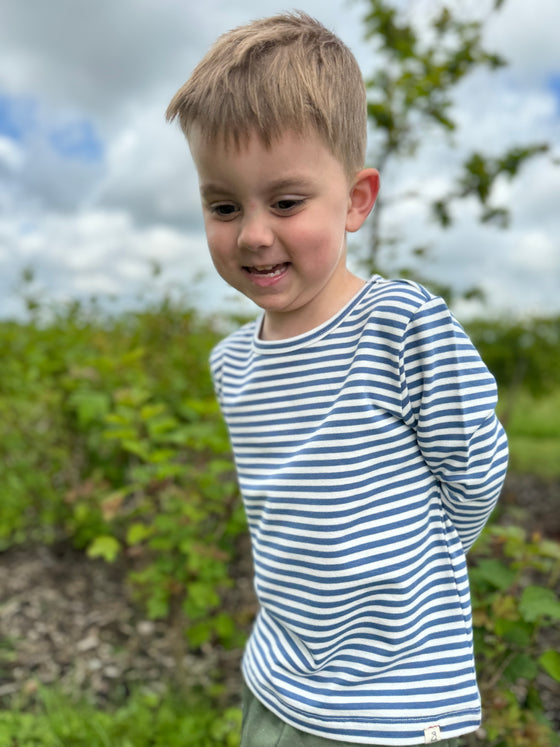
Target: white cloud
(526,33)
(11,155)
(96,56)
(537,253)
(93,226)
(148,172)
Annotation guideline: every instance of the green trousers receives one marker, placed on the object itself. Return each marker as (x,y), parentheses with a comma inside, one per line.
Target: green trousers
(261,728)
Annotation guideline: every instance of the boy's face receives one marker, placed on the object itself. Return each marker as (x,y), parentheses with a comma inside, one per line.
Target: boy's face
(276,222)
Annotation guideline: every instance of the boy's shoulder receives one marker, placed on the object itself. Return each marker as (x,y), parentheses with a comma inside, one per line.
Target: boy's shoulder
(407,293)
(403,309)
(395,302)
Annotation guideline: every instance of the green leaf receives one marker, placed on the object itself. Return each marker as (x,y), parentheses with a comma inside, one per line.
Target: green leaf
(199,633)
(494,573)
(550,549)
(202,597)
(224,627)
(119,434)
(521,666)
(105,547)
(147,412)
(133,397)
(138,448)
(158,605)
(167,471)
(550,662)
(89,405)
(537,602)
(497,216)
(138,533)
(441,213)
(160,456)
(514,631)
(162,426)
(511,162)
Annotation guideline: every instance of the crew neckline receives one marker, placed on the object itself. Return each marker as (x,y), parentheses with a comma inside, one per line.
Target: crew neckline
(312,335)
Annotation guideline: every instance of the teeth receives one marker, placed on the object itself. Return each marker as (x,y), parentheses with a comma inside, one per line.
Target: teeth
(271,270)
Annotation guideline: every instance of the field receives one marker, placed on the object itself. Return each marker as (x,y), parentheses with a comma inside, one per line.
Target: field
(534,435)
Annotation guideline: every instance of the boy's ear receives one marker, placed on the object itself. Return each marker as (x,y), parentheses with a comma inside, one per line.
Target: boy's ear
(363,193)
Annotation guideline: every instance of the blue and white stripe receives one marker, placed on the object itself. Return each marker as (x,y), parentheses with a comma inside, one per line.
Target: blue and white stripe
(369,458)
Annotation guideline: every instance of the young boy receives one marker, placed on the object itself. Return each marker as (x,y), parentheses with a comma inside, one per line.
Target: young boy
(360,415)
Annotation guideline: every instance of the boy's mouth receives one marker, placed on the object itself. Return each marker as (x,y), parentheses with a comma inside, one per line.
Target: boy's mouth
(268,271)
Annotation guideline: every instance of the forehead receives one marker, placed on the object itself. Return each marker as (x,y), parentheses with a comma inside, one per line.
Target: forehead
(287,154)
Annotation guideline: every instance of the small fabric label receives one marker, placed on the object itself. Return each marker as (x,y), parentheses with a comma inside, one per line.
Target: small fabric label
(432,734)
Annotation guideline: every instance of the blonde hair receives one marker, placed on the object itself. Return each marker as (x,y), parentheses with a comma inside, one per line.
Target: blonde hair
(286,72)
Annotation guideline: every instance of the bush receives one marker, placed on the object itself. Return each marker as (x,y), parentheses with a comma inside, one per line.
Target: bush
(146,720)
(515,610)
(110,437)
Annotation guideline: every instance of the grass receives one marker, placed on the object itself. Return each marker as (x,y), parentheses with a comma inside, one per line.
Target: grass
(534,435)
(535,456)
(146,720)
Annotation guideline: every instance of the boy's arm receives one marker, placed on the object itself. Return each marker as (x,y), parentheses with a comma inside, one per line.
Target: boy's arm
(449,398)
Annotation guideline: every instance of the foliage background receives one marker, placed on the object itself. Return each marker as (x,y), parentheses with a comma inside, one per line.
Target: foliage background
(107,444)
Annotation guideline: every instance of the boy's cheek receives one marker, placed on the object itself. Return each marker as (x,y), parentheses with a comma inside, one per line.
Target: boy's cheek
(221,256)
(212,235)
(215,246)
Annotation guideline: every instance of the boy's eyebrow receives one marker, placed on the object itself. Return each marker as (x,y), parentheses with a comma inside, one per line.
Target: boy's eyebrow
(211,189)
(277,185)
(290,182)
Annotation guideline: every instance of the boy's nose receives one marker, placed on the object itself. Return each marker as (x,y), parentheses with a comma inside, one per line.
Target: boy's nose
(255,232)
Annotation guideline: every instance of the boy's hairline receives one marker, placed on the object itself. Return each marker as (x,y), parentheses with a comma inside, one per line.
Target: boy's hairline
(237,144)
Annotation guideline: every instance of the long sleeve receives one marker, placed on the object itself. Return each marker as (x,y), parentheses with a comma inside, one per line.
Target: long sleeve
(449,398)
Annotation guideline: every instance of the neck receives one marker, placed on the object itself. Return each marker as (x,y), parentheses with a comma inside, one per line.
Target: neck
(283,325)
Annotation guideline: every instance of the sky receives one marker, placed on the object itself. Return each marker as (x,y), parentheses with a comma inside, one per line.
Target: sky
(96,189)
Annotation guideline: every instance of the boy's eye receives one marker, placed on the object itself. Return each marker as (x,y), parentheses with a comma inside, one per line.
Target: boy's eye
(287,204)
(224,210)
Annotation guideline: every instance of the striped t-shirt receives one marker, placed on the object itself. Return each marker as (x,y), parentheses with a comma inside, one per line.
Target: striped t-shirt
(369,458)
